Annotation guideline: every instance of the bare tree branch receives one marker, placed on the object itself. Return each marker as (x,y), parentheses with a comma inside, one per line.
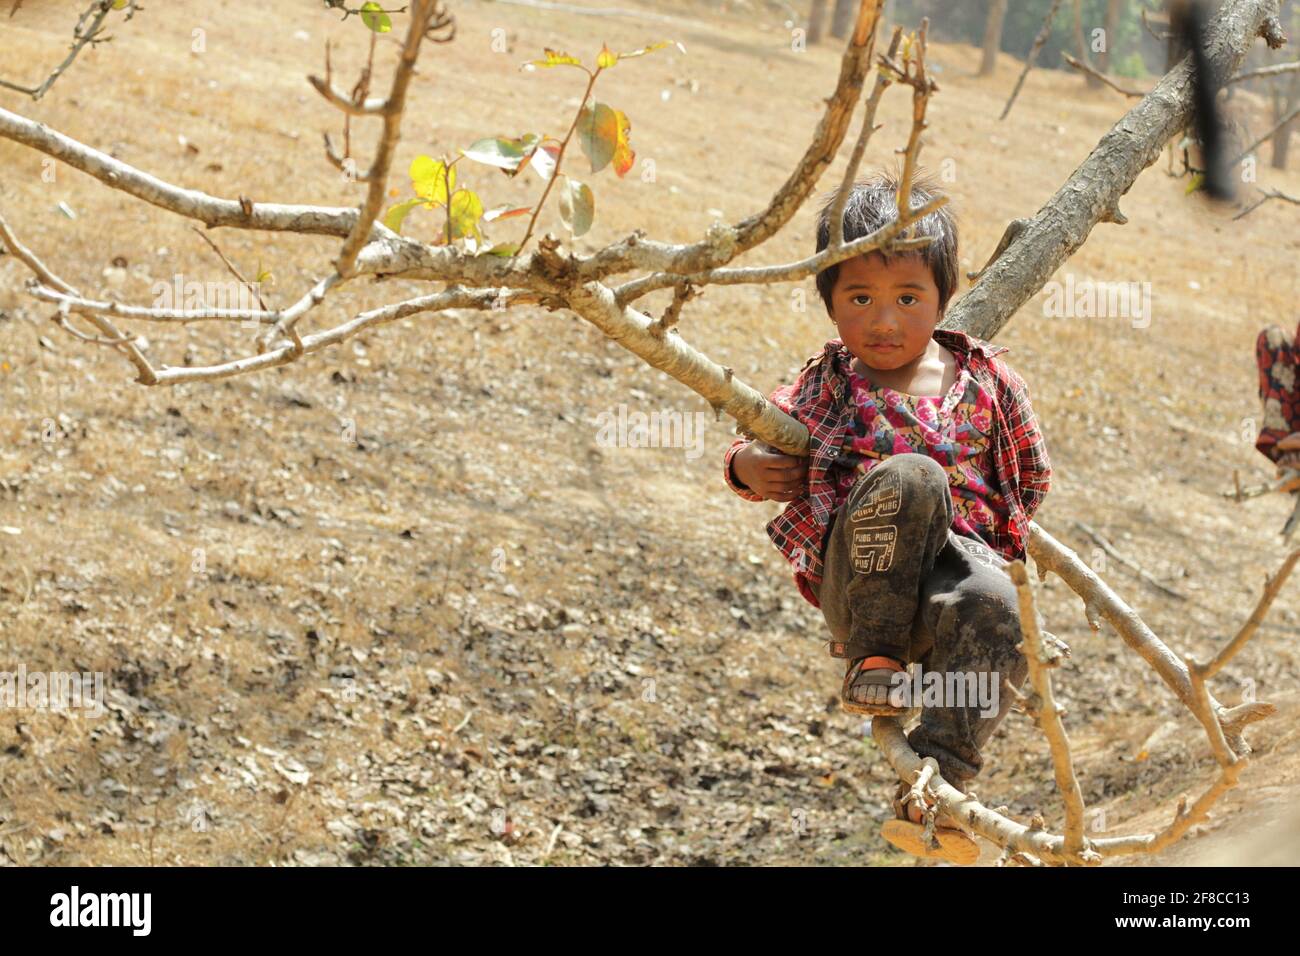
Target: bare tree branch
(1272,586)
(555,279)
(1092,192)
(1277,127)
(1268,193)
(1110,549)
(424,14)
(1043,33)
(1048,714)
(1276,69)
(1093,71)
(81,37)
(125,344)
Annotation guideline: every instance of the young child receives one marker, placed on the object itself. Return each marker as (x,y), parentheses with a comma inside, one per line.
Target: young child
(926,465)
(1279,434)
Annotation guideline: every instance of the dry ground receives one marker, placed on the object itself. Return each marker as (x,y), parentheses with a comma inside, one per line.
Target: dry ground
(395,604)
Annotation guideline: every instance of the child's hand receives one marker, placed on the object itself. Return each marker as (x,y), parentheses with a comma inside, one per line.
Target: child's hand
(769,473)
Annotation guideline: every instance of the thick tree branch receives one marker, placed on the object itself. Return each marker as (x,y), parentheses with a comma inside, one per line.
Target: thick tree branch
(191,203)
(1092,192)
(1048,714)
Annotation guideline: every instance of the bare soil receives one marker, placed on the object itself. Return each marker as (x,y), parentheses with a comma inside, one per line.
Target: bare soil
(395,604)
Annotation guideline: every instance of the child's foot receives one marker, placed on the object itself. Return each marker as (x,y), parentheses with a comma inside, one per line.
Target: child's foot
(954,845)
(868,682)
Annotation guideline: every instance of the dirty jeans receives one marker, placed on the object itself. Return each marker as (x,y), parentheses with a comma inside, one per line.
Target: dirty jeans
(898,581)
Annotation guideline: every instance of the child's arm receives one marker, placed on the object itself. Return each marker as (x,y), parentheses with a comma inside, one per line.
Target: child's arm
(730,476)
(782,398)
(1031,451)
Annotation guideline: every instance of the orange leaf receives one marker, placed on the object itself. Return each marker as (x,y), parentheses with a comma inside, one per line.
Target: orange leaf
(623,154)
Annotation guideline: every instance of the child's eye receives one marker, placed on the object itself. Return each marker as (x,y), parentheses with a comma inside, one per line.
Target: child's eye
(857,297)
(909,295)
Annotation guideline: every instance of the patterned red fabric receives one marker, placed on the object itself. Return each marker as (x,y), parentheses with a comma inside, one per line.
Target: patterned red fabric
(1276,357)
(955,429)
(821,399)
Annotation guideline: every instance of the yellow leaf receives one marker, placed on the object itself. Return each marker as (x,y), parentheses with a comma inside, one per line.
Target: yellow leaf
(466,210)
(606,58)
(556,58)
(651,48)
(396,215)
(432,179)
(623,154)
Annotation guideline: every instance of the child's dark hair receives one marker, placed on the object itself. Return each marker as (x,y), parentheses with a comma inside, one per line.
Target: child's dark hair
(872,204)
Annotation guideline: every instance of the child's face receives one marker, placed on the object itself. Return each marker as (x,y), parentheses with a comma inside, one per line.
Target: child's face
(886,314)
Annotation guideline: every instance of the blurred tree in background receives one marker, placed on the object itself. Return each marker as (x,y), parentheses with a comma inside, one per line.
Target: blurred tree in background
(1132,51)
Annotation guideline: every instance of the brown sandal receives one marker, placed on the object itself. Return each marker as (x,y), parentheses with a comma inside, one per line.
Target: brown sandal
(949,843)
(875,671)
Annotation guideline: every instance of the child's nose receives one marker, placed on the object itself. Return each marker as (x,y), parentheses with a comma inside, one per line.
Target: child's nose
(884,319)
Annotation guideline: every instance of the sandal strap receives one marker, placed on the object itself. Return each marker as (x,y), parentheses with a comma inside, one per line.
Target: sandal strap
(876,663)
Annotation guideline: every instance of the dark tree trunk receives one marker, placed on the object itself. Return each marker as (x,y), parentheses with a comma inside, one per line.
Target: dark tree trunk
(816,22)
(993,36)
(843,17)
(1282,138)
(1114,11)
(1081,41)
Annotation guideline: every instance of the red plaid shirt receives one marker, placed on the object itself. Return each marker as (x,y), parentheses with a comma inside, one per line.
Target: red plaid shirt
(820,398)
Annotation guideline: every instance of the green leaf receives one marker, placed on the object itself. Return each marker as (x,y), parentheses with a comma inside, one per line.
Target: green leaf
(394,217)
(119,4)
(466,210)
(598,134)
(505,154)
(431,178)
(503,249)
(1197,182)
(373,16)
(577,206)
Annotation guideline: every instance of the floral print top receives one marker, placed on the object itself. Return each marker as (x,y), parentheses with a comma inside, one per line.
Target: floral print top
(955,429)
(1276,353)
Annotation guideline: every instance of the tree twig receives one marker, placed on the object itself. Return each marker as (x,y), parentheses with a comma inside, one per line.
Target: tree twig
(1043,33)
(81,36)
(1093,71)
(1127,562)
(1268,193)
(1277,69)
